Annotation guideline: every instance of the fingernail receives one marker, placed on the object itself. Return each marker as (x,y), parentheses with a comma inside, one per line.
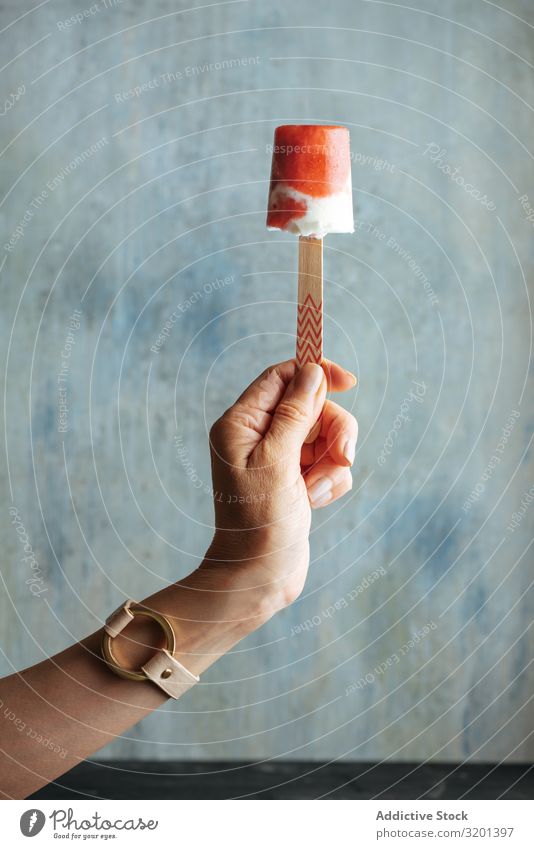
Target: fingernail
(352,376)
(322,502)
(349,451)
(309,378)
(320,492)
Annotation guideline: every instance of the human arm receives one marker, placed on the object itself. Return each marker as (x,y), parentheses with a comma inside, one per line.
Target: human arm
(264,476)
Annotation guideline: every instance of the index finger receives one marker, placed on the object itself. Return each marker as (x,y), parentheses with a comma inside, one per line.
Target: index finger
(337,377)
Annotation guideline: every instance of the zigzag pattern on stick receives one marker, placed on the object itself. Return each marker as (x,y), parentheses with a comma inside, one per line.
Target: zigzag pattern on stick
(309,332)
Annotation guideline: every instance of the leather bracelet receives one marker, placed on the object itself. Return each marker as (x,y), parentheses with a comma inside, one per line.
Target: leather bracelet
(162,669)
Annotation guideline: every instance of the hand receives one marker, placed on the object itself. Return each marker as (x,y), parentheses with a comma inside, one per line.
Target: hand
(266,474)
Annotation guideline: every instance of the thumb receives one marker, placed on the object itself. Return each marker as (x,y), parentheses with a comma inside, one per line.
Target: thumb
(297,412)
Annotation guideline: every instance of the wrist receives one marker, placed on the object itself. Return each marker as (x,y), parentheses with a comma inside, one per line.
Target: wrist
(215,610)
(245,579)
(248,565)
(211,610)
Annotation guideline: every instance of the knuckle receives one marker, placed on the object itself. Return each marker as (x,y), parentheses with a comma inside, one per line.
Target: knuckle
(292,411)
(345,425)
(273,374)
(344,419)
(291,592)
(218,431)
(343,484)
(247,416)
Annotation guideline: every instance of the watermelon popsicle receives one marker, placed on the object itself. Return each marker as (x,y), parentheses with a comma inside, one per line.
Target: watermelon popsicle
(310,195)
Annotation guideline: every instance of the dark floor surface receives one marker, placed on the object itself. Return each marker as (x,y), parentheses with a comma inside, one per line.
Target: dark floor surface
(290,780)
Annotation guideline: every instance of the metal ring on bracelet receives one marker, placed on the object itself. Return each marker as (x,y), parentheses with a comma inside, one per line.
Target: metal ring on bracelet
(107,643)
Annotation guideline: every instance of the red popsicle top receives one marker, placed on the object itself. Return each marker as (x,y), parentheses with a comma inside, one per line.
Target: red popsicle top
(311,160)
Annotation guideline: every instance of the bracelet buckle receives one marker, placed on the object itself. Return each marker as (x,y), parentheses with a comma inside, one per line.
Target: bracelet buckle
(162,669)
(116,623)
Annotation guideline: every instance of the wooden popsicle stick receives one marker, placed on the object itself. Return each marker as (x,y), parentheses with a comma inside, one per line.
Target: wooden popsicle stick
(310,301)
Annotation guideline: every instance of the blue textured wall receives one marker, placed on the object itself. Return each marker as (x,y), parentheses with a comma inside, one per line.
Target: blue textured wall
(129,206)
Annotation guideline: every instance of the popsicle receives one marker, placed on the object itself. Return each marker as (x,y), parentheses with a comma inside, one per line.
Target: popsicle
(310,195)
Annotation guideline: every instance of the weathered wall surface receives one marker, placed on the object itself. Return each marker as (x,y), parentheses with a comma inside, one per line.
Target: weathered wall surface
(130,204)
